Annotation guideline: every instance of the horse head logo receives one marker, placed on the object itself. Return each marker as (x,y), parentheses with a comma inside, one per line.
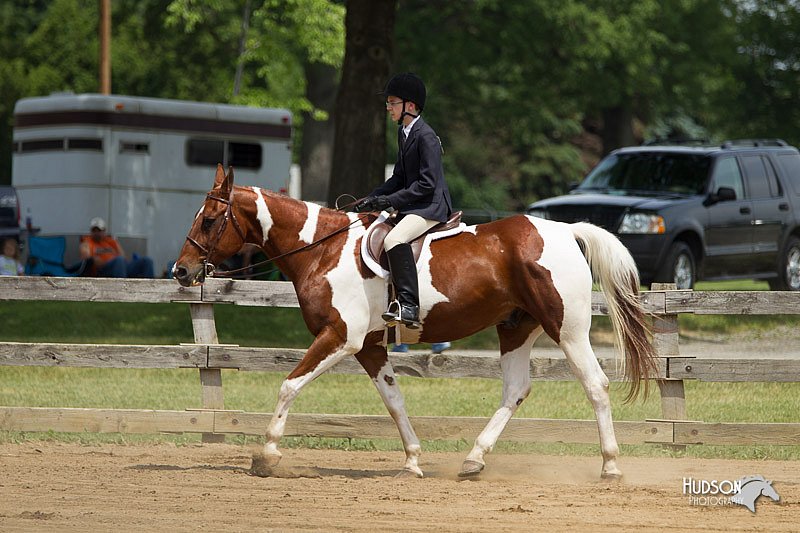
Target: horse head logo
(752,487)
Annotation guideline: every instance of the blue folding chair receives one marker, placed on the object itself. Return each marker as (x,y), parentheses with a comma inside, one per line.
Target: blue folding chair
(46,258)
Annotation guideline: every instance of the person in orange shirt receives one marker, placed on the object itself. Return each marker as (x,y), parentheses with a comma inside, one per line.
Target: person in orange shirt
(108,257)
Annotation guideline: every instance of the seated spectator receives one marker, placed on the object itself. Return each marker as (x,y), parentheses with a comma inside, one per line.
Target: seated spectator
(9,261)
(108,257)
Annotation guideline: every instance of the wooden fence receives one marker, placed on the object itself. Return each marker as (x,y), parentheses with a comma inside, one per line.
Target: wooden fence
(210,357)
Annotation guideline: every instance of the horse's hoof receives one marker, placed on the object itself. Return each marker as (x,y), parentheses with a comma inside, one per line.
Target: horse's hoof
(470,468)
(611,476)
(408,473)
(262,465)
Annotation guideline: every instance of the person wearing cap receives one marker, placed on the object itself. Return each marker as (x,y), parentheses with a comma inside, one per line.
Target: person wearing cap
(416,189)
(108,257)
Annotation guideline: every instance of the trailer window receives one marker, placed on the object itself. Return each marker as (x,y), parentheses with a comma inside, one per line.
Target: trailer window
(85,144)
(134,148)
(204,152)
(244,155)
(42,145)
(211,152)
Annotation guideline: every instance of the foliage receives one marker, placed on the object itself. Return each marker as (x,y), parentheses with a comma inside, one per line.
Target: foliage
(282,36)
(184,49)
(520,92)
(761,99)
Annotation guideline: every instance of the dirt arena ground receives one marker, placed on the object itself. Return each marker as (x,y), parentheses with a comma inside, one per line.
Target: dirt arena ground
(68,487)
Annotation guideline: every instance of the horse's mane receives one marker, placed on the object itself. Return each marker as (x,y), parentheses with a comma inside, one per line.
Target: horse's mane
(286,198)
(749,479)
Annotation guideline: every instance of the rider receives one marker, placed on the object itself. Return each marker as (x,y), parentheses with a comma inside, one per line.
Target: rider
(417,190)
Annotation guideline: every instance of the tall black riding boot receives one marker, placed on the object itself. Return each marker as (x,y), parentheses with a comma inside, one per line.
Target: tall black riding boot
(404,276)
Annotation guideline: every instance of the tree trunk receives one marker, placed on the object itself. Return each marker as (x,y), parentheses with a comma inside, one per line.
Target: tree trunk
(617,128)
(359,154)
(317,150)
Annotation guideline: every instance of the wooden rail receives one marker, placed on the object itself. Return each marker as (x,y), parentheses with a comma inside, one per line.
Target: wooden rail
(210,357)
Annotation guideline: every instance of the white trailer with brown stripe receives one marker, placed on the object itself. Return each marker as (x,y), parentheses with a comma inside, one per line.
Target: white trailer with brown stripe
(142,164)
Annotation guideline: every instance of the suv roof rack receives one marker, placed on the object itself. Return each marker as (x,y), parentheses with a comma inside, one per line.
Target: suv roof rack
(753,142)
(677,141)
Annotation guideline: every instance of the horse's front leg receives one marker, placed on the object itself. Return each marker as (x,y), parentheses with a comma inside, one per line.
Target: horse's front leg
(376,362)
(327,349)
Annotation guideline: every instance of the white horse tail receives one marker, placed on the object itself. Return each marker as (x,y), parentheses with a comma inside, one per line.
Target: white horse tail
(614,269)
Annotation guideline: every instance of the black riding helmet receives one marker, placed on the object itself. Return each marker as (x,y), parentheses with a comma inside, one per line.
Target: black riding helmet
(408,87)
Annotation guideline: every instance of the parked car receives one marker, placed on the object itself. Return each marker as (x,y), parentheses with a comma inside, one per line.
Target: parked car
(689,213)
(9,212)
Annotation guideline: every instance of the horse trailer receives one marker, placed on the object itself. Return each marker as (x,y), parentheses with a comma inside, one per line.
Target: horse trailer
(142,164)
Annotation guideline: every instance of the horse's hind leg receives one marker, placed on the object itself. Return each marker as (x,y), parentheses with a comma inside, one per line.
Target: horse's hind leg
(595,383)
(326,350)
(376,362)
(515,358)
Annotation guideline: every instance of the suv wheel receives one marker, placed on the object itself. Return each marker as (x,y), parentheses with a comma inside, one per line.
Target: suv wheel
(789,269)
(679,268)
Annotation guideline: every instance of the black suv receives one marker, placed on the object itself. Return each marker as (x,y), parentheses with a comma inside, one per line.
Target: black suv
(9,212)
(689,213)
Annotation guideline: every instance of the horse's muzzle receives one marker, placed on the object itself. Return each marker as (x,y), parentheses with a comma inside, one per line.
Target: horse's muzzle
(187,277)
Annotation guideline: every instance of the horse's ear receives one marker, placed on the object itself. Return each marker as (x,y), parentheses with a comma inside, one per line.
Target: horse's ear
(223,181)
(219,178)
(227,183)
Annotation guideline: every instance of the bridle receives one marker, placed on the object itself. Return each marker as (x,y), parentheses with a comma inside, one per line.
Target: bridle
(209,268)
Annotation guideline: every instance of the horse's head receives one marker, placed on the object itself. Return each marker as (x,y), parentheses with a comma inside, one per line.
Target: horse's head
(215,234)
(768,490)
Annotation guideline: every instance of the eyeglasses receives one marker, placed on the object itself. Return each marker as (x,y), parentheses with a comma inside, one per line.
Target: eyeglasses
(390,104)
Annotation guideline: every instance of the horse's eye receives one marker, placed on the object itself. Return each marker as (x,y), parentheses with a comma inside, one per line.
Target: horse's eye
(207,223)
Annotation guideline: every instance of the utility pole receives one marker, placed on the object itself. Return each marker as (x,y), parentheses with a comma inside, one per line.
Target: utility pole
(105,46)
(237,79)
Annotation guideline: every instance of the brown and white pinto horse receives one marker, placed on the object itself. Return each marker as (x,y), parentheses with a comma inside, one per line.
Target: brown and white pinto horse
(523,275)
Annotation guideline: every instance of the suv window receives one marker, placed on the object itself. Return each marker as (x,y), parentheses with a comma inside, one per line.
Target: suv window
(774,185)
(758,182)
(790,163)
(727,174)
(650,172)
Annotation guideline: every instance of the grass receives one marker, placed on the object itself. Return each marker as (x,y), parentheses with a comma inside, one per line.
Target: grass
(333,393)
(86,322)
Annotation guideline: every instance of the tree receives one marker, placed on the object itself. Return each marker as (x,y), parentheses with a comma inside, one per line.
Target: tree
(291,57)
(359,153)
(40,53)
(527,95)
(316,152)
(762,99)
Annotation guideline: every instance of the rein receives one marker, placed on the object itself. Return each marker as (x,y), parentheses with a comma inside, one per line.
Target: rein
(226,273)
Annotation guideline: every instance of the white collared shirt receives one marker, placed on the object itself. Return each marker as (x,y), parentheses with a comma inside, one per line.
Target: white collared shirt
(407,129)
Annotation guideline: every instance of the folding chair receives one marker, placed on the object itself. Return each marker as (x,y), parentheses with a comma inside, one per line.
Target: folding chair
(46,258)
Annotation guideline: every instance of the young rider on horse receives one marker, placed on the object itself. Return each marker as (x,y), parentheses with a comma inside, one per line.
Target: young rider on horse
(417,191)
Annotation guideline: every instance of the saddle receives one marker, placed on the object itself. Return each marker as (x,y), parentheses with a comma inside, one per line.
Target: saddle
(377,233)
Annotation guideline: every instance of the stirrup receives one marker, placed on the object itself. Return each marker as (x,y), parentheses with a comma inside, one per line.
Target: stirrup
(392,314)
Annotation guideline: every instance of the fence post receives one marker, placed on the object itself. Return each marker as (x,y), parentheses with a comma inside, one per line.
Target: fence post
(665,342)
(205,332)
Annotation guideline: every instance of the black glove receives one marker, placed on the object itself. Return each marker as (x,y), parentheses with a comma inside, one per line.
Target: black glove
(379,203)
(363,205)
(372,203)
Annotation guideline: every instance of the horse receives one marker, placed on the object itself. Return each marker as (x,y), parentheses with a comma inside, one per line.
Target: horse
(752,488)
(525,276)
